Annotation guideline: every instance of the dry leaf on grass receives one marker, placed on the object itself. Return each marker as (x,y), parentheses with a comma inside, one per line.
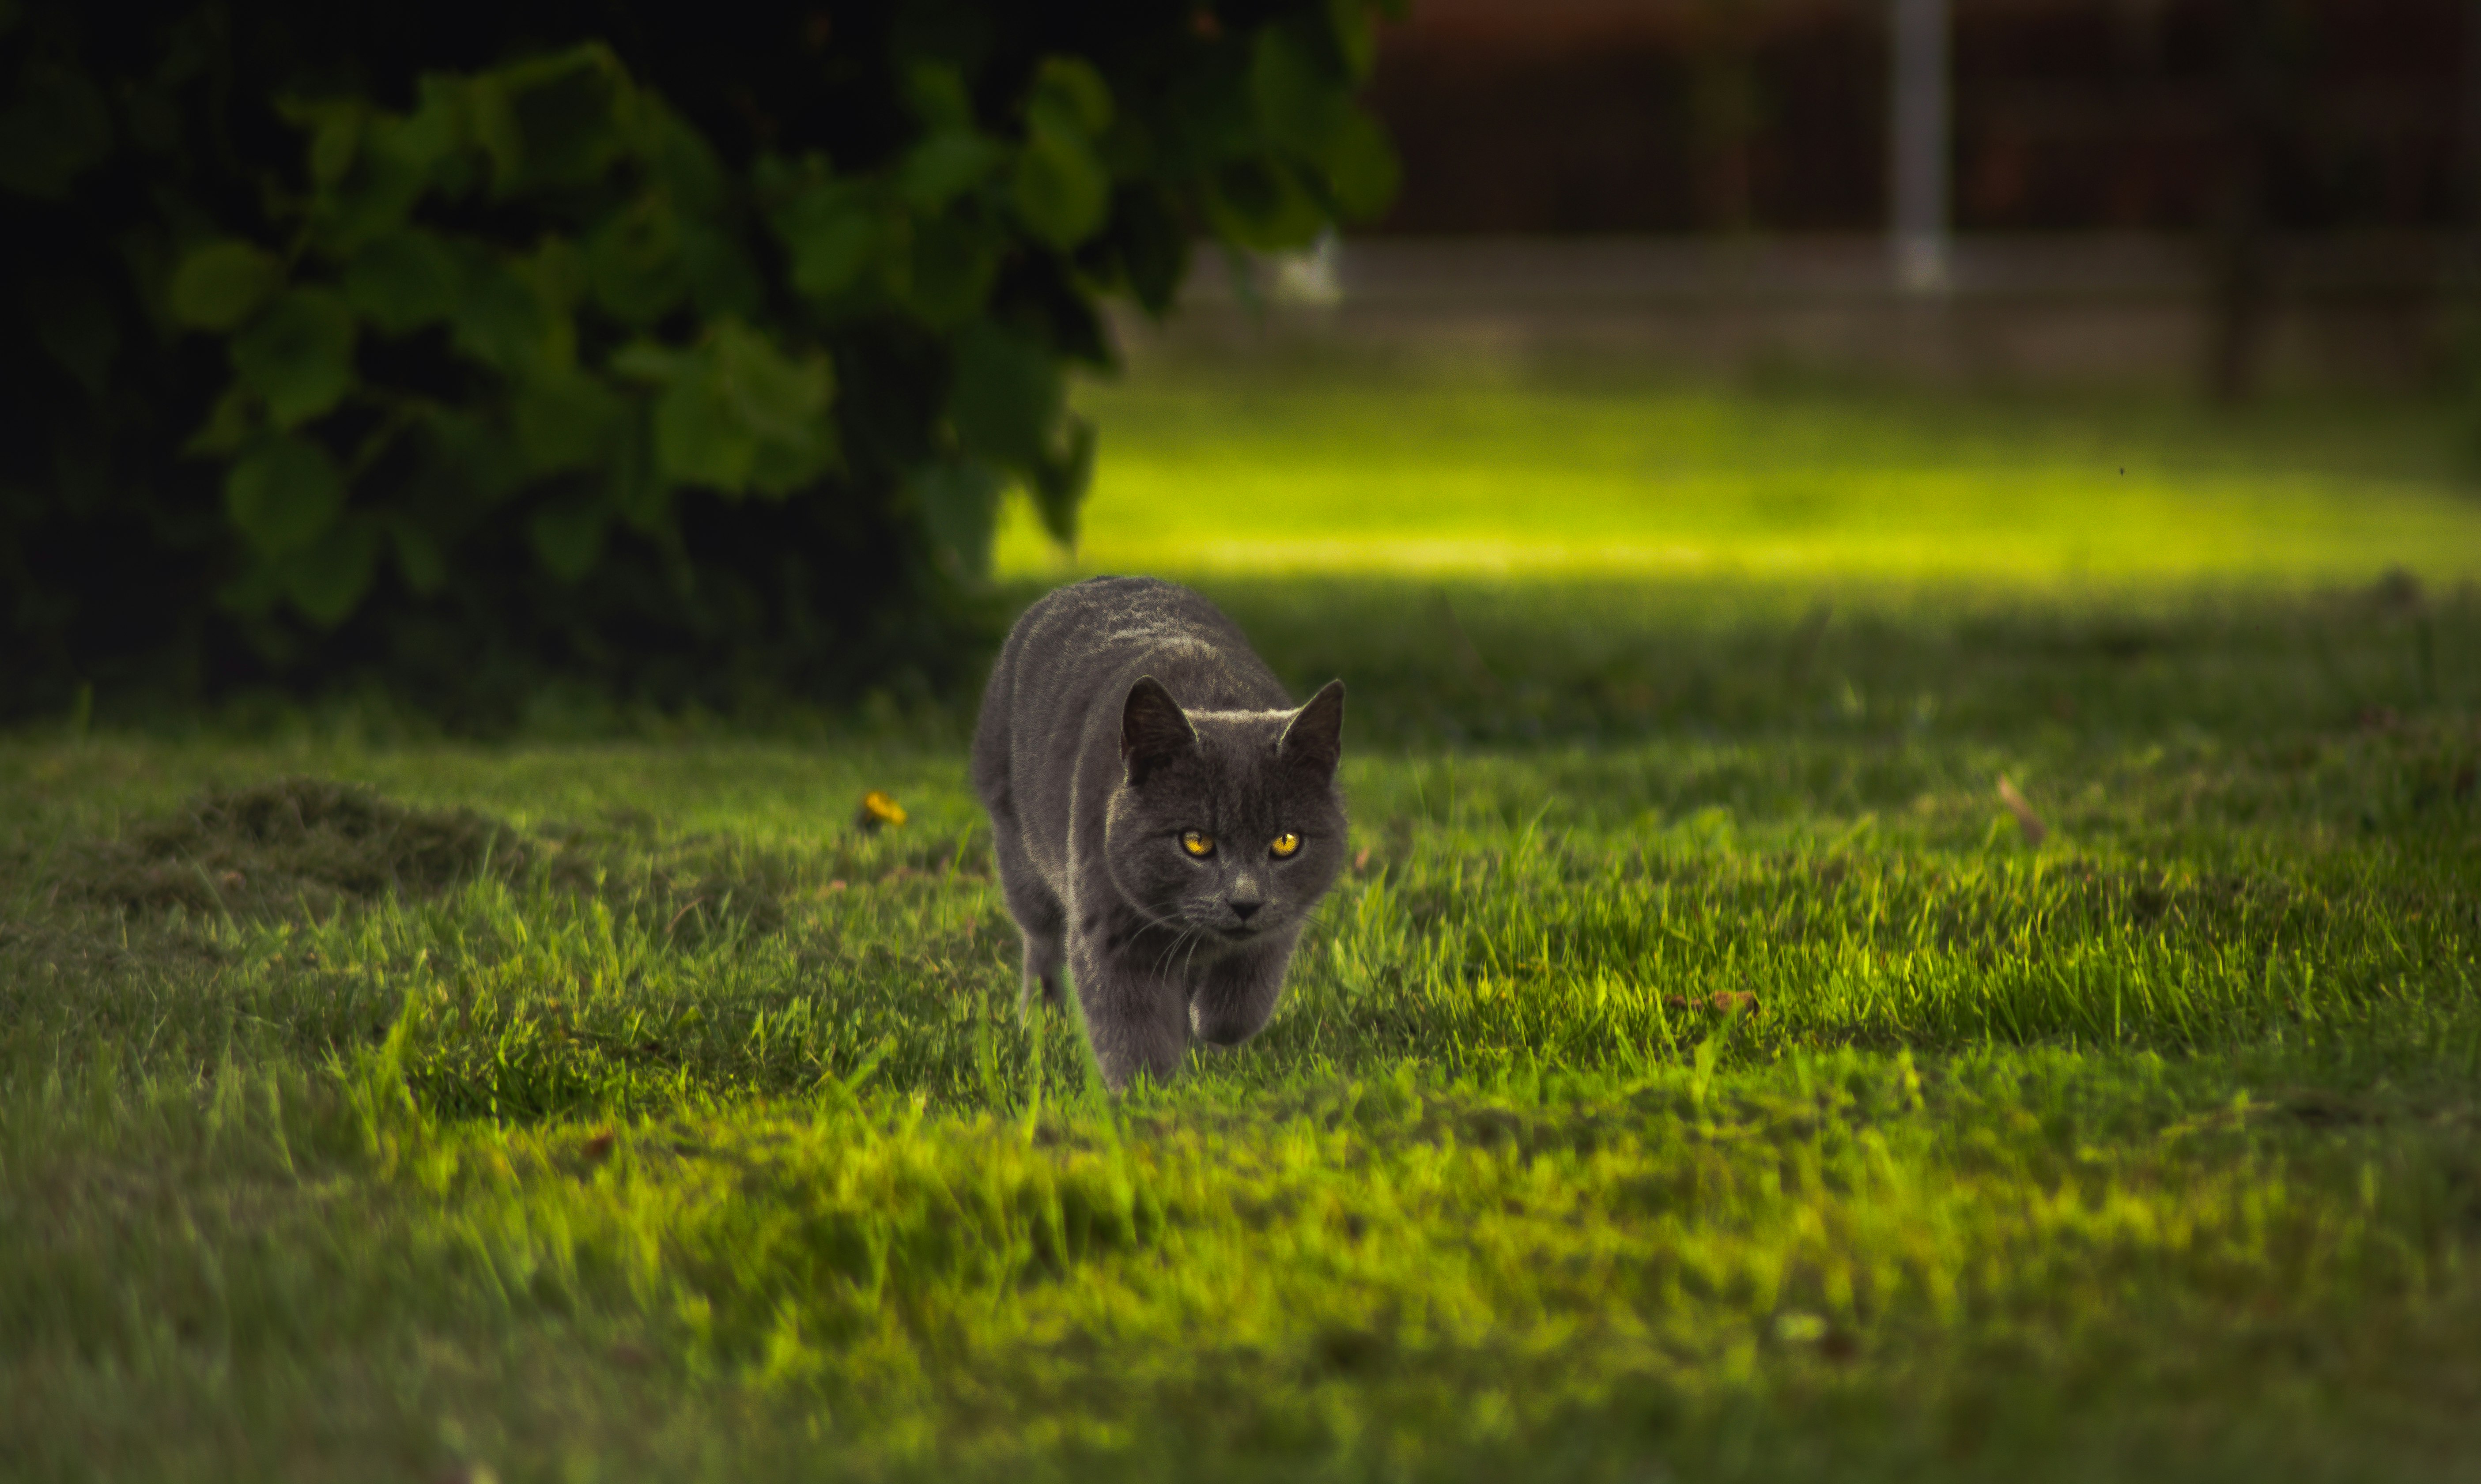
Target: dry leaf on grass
(2035,831)
(1722,999)
(877,812)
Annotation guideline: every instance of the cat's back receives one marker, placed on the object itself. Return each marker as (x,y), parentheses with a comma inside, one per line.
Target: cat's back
(1078,639)
(1102,613)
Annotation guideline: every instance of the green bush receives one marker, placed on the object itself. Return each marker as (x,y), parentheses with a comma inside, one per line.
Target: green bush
(689,352)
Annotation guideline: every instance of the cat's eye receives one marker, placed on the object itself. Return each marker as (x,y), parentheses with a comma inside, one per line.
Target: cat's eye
(1285,844)
(1197,845)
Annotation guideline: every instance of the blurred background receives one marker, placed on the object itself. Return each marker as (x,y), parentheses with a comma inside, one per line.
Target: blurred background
(489,365)
(2224,194)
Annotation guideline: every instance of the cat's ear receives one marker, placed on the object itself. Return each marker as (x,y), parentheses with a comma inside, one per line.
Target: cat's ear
(1153,729)
(1314,738)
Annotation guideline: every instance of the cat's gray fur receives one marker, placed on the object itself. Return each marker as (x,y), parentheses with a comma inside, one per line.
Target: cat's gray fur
(1124,711)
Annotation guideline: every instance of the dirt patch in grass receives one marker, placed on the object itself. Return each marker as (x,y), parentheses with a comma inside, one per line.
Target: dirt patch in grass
(296,847)
(291,844)
(312,847)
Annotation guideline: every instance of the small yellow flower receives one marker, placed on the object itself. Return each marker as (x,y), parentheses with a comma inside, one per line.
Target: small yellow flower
(878,812)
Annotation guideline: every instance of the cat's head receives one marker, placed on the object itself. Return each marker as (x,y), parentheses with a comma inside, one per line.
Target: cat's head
(1227,822)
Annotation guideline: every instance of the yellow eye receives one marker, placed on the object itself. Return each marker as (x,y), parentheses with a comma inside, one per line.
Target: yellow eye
(1285,844)
(1197,845)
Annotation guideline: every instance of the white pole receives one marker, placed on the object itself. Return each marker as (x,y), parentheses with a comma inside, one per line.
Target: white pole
(1920,145)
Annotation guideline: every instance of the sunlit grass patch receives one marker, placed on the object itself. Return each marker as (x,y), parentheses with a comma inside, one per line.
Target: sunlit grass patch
(1885,1268)
(1417,469)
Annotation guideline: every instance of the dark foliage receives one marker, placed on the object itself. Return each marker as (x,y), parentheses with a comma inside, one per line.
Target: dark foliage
(687,350)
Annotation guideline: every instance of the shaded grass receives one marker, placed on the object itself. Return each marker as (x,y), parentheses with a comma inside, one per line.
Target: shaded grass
(1467,660)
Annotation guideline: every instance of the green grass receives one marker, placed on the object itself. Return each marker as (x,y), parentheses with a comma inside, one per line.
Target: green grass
(1486,468)
(1698,1076)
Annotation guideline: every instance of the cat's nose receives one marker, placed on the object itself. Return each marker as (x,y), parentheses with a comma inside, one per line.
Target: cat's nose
(1246,910)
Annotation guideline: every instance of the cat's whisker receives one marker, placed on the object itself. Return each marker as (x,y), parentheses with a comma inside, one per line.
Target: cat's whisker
(1185,935)
(1163,960)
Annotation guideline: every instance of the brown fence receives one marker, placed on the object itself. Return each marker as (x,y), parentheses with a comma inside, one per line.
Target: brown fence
(1662,116)
(2222,193)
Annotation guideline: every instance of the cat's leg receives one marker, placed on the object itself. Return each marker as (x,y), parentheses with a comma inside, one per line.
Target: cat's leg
(1040,919)
(1136,1018)
(1231,998)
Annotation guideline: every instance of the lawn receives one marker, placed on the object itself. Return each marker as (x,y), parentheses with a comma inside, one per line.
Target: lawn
(1701,1074)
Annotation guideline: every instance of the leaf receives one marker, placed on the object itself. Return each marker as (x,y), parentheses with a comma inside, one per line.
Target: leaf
(1060,189)
(633,261)
(566,115)
(698,440)
(2027,821)
(1361,168)
(960,503)
(439,127)
(568,539)
(1069,94)
(477,461)
(403,281)
(738,415)
(493,129)
(229,425)
(283,494)
(723,283)
(949,270)
(946,165)
(326,580)
(878,810)
(784,402)
(333,143)
(335,129)
(393,167)
(1298,101)
(500,317)
(1355,25)
(1303,107)
(637,496)
(565,420)
(1004,396)
(1152,245)
(220,284)
(1258,204)
(557,270)
(55,128)
(299,356)
(683,163)
(935,90)
(1061,479)
(648,362)
(830,231)
(418,558)
(775,394)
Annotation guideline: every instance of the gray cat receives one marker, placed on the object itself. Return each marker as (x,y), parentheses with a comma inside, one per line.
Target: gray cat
(1165,817)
